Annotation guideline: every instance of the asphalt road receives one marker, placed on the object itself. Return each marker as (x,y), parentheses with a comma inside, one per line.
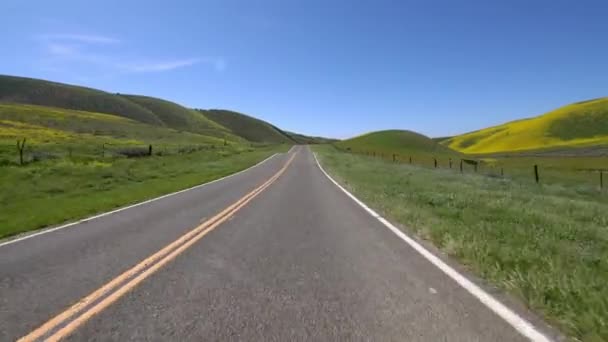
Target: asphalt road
(299,261)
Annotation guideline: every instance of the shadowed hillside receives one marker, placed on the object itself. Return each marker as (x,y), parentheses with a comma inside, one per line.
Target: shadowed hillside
(46,93)
(181,118)
(245,126)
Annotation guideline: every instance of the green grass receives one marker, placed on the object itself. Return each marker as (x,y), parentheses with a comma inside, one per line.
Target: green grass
(404,144)
(578,125)
(547,244)
(76,164)
(55,132)
(51,192)
(245,126)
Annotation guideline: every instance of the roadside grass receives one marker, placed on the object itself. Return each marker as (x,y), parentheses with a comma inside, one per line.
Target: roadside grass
(54,191)
(546,244)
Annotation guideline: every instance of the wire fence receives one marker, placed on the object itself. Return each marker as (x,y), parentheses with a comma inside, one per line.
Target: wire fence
(500,168)
(24,153)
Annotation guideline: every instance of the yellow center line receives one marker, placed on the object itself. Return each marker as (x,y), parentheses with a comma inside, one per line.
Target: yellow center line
(152,263)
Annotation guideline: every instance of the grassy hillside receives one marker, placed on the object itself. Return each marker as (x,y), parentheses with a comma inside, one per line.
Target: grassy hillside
(223,124)
(181,118)
(52,94)
(249,128)
(403,143)
(578,125)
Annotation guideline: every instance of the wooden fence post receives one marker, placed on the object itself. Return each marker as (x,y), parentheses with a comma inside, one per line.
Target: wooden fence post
(450,163)
(461,170)
(150,150)
(536,173)
(410,159)
(20,148)
(435,161)
(394,158)
(502,173)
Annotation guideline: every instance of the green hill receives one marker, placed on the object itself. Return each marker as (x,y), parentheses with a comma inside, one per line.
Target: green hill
(181,118)
(52,94)
(247,127)
(305,139)
(217,123)
(400,142)
(579,125)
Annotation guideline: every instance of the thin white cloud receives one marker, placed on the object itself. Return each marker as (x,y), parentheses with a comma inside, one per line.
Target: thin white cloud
(62,50)
(81,38)
(160,66)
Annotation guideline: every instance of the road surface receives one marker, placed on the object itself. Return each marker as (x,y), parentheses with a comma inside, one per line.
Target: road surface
(289,257)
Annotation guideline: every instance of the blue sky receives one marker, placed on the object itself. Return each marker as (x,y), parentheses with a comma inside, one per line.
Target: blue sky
(331,68)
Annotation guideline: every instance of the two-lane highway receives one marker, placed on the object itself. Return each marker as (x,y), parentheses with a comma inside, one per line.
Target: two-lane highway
(274,253)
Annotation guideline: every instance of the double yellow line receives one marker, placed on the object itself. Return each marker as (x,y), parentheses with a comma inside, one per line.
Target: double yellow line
(69,320)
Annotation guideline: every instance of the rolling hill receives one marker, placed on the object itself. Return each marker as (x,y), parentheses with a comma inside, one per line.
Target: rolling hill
(216,123)
(578,125)
(250,128)
(52,94)
(401,142)
(182,118)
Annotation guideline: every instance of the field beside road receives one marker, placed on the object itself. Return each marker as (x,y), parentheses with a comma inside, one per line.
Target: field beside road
(54,191)
(545,244)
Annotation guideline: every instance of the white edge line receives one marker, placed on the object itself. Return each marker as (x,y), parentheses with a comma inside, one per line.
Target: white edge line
(50,230)
(516,321)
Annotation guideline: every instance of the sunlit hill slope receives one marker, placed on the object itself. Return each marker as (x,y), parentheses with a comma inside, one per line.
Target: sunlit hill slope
(576,125)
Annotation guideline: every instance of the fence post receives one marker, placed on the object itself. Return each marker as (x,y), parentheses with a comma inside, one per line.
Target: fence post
(450,163)
(502,173)
(476,166)
(435,161)
(536,173)
(394,158)
(374,154)
(410,159)
(461,170)
(150,150)
(21,147)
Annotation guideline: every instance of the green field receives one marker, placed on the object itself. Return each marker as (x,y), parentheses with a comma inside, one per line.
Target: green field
(545,244)
(579,125)
(51,192)
(79,163)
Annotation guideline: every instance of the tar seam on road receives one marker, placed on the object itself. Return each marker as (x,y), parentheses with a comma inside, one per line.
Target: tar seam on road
(516,321)
(70,319)
(50,230)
